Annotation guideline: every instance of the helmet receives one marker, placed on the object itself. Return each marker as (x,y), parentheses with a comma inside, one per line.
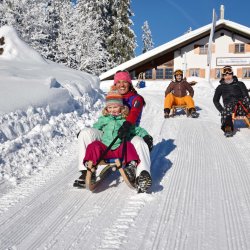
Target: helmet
(178,72)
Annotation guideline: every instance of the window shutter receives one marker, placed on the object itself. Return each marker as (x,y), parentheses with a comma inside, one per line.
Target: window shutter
(248,47)
(196,49)
(231,48)
(239,72)
(202,73)
(212,73)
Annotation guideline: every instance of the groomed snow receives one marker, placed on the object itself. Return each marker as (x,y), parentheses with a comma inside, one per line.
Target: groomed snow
(200,193)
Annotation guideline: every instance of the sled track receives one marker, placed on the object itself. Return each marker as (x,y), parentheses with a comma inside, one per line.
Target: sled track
(184,208)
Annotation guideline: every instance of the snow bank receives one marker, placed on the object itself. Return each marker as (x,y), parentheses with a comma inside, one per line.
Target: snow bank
(42,107)
(15,48)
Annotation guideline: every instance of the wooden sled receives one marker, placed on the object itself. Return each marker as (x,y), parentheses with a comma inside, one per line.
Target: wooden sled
(245,119)
(113,164)
(182,107)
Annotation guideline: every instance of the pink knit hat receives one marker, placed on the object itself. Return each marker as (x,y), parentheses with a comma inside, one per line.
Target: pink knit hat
(122,75)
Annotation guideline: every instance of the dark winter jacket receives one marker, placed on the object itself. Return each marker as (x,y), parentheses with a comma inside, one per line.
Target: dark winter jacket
(230,93)
(179,89)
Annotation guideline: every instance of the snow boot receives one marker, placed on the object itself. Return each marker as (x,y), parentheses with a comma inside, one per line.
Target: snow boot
(193,113)
(228,132)
(80,182)
(143,181)
(166,113)
(130,171)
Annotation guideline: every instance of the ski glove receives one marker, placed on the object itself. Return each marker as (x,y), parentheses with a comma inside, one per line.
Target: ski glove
(149,141)
(124,129)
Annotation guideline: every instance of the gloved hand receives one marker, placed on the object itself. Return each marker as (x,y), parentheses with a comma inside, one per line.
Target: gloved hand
(124,129)
(149,140)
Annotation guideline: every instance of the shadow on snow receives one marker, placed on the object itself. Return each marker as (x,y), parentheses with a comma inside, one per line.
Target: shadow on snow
(159,163)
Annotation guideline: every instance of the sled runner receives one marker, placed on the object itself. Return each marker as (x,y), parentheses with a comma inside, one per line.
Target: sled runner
(92,180)
(244,118)
(180,107)
(111,164)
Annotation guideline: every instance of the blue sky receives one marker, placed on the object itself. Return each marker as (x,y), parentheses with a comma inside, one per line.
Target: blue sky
(169,19)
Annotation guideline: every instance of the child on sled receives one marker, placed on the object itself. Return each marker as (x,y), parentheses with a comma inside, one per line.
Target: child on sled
(113,117)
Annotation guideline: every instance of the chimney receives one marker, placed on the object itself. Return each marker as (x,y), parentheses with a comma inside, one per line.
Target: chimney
(222,12)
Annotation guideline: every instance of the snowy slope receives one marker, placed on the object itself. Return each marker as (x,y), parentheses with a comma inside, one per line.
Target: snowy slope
(199,198)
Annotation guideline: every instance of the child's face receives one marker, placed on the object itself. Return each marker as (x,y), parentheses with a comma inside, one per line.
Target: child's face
(114,109)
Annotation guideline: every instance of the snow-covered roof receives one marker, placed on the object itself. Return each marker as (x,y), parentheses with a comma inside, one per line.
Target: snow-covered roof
(161,50)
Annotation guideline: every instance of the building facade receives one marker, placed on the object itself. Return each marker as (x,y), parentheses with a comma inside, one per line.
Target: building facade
(230,46)
(227,48)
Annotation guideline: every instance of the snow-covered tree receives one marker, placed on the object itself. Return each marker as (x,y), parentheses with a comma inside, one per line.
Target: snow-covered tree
(93,36)
(12,12)
(91,53)
(147,38)
(121,40)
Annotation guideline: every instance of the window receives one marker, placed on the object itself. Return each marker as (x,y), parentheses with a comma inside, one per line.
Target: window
(218,73)
(194,72)
(239,48)
(148,74)
(203,49)
(159,74)
(246,73)
(168,73)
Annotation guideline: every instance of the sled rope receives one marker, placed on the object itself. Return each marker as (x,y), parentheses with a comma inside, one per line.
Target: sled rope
(237,105)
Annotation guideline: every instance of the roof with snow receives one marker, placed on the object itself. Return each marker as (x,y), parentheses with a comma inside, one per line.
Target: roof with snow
(161,54)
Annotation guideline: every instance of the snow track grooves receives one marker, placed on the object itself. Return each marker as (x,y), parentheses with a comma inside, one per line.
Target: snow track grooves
(235,222)
(117,234)
(192,197)
(199,201)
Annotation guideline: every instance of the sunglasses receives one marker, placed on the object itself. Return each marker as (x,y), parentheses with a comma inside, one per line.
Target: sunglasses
(227,71)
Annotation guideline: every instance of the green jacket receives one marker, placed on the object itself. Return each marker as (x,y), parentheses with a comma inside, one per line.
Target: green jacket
(110,125)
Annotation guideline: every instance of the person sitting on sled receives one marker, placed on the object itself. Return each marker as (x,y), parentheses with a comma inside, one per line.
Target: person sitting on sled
(114,115)
(235,98)
(176,94)
(143,144)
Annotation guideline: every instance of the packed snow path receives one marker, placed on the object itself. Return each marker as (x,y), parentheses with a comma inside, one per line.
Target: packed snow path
(200,198)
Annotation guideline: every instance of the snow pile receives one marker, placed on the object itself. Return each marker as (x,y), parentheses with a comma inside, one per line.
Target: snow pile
(42,107)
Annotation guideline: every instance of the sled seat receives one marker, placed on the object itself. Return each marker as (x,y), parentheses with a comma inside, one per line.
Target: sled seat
(244,118)
(175,107)
(112,164)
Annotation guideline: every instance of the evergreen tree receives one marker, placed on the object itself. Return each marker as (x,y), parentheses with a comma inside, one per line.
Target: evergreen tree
(147,38)
(121,40)
(90,52)
(11,12)
(66,36)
